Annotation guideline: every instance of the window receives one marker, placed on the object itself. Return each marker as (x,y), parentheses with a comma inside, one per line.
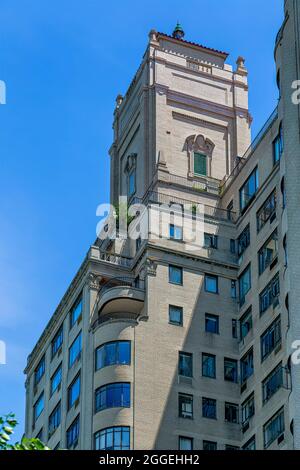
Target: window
(74,392)
(175,275)
(268,252)
(231,448)
(278,146)
(39,371)
(246,323)
(54,419)
(55,380)
(233,289)
(76,312)
(40,435)
(175,315)
(270,295)
(200,164)
(270,339)
(185,405)
(116,395)
(57,342)
(38,407)
(247,366)
(285,251)
(248,190)
(272,383)
(244,284)
(266,211)
(250,445)
(209,408)
(230,370)
(230,211)
(273,428)
(231,413)
(175,232)
(248,409)
(283,193)
(185,443)
(75,350)
(244,240)
(138,243)
(114,353)
(211,323)
(185,366)
(209,366)
(115,438)
(210,241)
(211,284)
(209,445)
(73,434)
(234,329)
(131,182)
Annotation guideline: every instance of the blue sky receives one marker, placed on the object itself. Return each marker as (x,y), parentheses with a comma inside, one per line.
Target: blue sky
(64,62)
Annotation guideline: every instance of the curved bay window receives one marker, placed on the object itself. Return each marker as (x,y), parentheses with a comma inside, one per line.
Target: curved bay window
(113,353)
(116,395)
(114,438)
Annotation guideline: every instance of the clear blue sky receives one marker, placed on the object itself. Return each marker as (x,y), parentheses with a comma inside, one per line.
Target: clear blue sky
(64,62)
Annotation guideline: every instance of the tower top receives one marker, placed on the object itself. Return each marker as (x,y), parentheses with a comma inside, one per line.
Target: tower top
(178,32)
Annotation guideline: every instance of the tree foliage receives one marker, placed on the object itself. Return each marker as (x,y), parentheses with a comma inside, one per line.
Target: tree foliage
(7,426)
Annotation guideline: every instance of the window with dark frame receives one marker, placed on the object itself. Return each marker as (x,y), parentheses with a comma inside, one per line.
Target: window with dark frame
(175,315)
(185,406)
(211,323)
(185,366)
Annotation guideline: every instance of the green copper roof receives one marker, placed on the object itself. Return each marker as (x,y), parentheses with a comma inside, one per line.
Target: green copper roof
(178,31)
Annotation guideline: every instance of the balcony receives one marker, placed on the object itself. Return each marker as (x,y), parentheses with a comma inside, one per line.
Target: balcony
(202,184)
(120,299)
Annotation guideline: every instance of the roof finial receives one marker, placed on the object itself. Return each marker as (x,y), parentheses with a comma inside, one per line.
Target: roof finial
(178,32)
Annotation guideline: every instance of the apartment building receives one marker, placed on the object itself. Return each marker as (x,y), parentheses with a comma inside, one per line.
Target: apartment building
(159,346)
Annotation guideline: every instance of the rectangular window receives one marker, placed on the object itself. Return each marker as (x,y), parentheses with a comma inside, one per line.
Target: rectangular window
(208,366)
(270,295)
(185,405)
(248,190)
(175,232)
(76,312)
(39,371)
(267,210)
(175,275)
(57,342)
(175,315)
(211,324)
(234,329)
(131,182)
(248,409)
(230,211)
(209,445)
(115,395)
(246,323)
(185,366)
(271,339)
(113,353)
(185,443)
(232,246)
(274,428)
(233,289)
(210,241)
(231,413)
(38,407)
(250,445)
(268,252)
(244,284)
(278,146)
(247,366)
(272,383)
(200,164)
(211,283)
(75,350)
(54,419)
(230,370)
(74,392)
(209,408)
(55,380)
(73,434)
(231,448)
(244,240)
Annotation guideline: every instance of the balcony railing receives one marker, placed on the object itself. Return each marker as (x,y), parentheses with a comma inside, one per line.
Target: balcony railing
(199,183)
(115,258)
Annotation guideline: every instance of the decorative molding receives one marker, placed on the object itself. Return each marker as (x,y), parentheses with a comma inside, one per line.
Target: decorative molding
(93,281)
(199,121)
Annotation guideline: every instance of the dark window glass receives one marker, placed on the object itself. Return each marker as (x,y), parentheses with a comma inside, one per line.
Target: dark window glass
(211,323)
(74,392)
(232,246)
(233,289)
(38,407)
(248,409)
(244,284)
(230,370)
(268,252)
(114,353)
(75,350)
(76,312)
(185,443)
(209,408)
(272,383)
(115,438)
(39,371)
(234,329)
(175,315)
(211,283)
(270,295)
(231,413)
(210,241)
(185,405)
(200,164)
(185,366)
(54,419)
(57,342)
(273,428)
(270,339)
(208,366)
(247,366)
(209,445)
(55,380)
(176,232)
(116,395)
(244,240)
(175,275)
(73,434)
(250,445)
(266,211)
(248,190)
(246,323)
(278,146)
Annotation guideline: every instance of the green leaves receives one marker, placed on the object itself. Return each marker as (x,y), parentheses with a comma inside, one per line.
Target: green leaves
(7,426)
